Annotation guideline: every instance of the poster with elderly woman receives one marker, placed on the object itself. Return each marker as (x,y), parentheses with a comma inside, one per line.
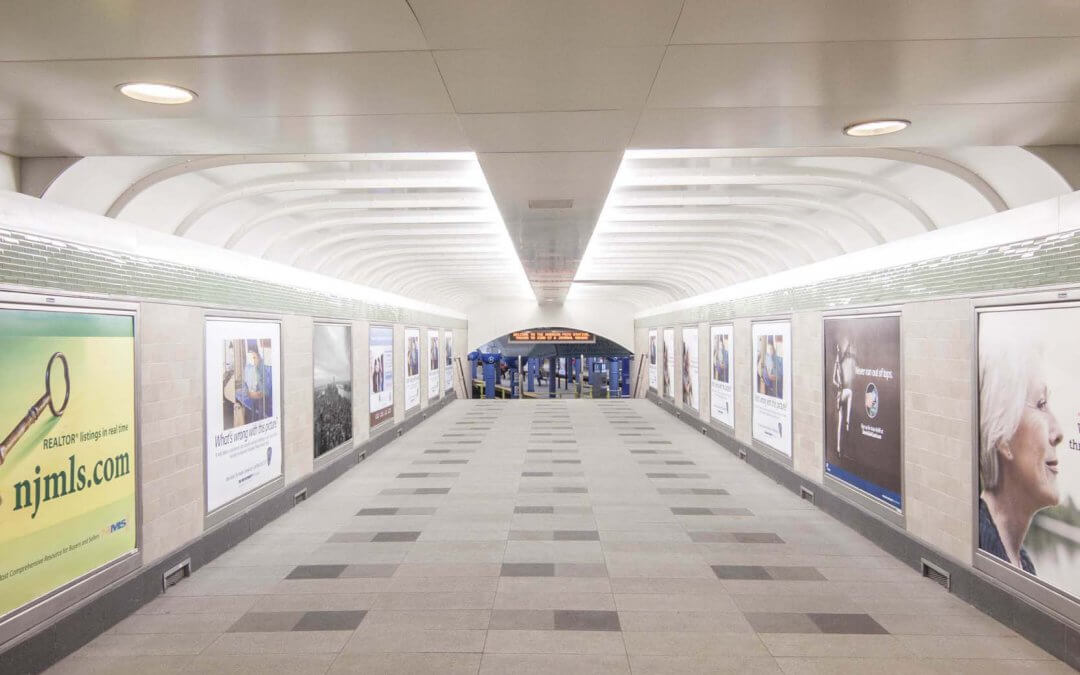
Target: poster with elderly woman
(1029,441)
(772,385)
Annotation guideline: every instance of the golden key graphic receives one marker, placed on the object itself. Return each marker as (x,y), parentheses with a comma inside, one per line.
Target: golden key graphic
(39,406)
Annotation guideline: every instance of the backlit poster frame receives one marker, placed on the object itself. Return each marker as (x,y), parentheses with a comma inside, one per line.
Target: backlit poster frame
(380,383)
(1033,341)
(688,361)
(434,367)
(49,604)
(448,356)
(721,374)
(325,365)
(653,351)
(863,349)
(412,369)
(668,352)
(231,445)
(771,413)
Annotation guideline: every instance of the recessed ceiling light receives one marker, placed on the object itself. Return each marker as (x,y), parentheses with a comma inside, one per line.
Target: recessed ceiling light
(155,92)
(876,127)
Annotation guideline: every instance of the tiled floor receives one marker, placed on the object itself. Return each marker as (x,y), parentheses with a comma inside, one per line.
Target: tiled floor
(556,537)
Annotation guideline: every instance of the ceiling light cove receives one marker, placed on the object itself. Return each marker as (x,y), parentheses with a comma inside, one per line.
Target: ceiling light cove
(876,127)
(156,92)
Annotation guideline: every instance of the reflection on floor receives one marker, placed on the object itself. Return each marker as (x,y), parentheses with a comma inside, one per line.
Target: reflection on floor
(557,537)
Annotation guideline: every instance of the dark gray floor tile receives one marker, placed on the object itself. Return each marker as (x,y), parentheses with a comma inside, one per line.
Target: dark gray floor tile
(536,474)
(316,572)
(387,511)
(708,491)
(849,624)
(368,571)
(757,538)
(747,572)
(691,511)
(566,461)
(431,491)
(795,573)
(662,475)
(534,509)
(416,511)
(781,622)
(573,619)
(528,570)
(396,536)
(576,535)
(266,622)
(642,452)
(413,474)
(350,537)
(331,620)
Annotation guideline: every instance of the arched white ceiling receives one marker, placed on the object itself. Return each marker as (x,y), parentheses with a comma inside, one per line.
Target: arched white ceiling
(678,223)
(418,224)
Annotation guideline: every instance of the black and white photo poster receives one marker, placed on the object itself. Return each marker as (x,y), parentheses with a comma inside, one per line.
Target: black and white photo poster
(332,377)
(691,394)
(412,368)
(772,385)
(669,362)
(652,361)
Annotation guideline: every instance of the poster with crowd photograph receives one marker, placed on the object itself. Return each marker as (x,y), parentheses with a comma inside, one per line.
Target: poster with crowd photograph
(448,352)
(691,394)
(412,368)
(652,361)
(772,385)
(67,464)
(669,362)
(1029,442)
(381,374)
(332,377)
(243,408)
(863,400)
(721,392)
(434,365)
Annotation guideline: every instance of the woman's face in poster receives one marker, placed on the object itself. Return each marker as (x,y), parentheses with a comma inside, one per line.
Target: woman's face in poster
(1034,446)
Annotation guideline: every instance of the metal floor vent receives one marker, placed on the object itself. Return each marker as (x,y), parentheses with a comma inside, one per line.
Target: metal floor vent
(806,494)
(361,456)
(299,497)
(742,454)
(705,431)
(175,574)
(936,574)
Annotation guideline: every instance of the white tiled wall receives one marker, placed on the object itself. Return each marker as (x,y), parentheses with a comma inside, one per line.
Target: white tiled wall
(299,403)
(807,384)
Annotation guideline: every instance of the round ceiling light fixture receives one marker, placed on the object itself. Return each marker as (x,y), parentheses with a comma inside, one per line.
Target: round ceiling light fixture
(156,92)
(876,127)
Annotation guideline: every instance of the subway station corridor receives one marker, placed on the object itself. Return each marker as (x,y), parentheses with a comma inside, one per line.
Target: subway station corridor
(556,537)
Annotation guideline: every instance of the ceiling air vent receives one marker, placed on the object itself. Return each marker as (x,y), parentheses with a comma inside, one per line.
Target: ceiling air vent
(551,203)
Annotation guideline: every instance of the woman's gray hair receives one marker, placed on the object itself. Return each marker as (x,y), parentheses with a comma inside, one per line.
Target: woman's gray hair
(1007,361)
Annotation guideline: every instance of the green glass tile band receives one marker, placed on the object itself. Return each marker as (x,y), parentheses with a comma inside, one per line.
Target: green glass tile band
(35,262)
(1052,260)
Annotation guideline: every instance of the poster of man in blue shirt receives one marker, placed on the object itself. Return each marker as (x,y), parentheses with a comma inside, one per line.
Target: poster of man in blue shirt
(255,392)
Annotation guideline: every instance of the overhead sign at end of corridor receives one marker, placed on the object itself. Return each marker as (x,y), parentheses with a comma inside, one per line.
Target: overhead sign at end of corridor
(551,335)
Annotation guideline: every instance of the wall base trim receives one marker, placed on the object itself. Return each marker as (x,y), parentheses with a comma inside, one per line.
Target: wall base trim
(1047,629)
(74,627)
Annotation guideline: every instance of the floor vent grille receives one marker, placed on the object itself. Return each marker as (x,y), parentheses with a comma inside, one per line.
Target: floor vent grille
(936,574)
(742,454)
(806,494)
(175,574)
(299,497)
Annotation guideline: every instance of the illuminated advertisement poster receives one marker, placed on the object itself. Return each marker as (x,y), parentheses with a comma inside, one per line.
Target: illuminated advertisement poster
(67,463)
(433,370)
(448,369)
(412,368)
(381,369)
(863,398)
(243,408)
(722,394)
(652,361)
(332,376)
(1029,442)
(669,362)
(690,384)
(772,385)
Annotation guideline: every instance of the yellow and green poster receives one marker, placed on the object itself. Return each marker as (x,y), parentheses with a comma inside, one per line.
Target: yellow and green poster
(67,448)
